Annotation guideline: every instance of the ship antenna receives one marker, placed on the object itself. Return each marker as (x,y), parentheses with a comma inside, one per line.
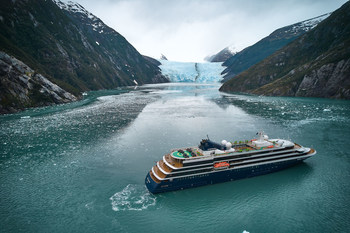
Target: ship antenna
(208,137)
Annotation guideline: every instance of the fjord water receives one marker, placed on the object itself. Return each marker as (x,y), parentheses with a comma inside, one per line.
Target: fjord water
(80,167)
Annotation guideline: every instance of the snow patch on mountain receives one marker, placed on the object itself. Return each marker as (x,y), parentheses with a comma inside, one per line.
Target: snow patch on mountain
(73,7)
(309,24)
(76,8)
(232,49)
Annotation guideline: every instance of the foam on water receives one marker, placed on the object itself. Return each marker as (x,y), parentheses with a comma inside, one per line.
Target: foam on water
(132,197)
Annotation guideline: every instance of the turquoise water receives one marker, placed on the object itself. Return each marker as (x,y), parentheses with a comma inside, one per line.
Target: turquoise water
(80,167)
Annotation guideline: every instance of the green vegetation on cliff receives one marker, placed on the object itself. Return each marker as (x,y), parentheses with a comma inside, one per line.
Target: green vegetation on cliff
(71,47)
(267,46)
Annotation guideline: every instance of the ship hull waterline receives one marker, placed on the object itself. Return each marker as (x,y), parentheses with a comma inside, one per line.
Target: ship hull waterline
(218,176)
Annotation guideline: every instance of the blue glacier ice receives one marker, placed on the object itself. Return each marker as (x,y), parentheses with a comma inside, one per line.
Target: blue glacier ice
(205,72)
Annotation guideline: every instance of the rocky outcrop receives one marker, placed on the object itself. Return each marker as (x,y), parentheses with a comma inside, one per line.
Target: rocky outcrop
(21,87)
(331,81)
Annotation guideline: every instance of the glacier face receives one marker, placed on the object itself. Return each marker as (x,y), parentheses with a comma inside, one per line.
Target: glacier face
(192,71)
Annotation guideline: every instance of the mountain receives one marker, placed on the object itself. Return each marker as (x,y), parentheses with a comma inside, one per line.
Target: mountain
(316,64)
(162,57)
(71,47)
(267,46)
(221,56)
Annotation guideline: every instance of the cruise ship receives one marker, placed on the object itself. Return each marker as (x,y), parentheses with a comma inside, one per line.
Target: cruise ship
(212,162)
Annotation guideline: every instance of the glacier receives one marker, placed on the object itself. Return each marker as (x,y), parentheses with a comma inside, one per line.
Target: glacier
(195,72)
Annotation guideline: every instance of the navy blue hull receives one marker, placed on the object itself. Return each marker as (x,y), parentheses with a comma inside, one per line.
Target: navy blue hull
(216,177)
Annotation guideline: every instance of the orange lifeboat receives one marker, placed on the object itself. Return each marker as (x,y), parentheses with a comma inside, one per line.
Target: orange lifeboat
(221,165)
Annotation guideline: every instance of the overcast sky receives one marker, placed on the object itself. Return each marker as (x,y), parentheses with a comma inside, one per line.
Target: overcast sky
(189,30)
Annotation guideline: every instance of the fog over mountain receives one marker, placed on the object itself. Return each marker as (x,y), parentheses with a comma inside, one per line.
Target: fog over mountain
(191,30)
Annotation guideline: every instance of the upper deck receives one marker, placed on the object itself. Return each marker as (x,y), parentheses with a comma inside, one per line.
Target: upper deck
(194,153)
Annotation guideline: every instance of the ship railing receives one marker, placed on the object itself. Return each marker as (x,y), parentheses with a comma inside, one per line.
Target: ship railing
(164,166)
(154,177)
(158,172)
(172,161)
(312,151)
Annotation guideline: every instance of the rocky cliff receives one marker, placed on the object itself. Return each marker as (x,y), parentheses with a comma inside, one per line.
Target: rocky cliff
(21,87)
(330,80)
(315,64)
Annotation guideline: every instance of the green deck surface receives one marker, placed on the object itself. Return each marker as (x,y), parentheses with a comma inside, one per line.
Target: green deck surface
(180,155)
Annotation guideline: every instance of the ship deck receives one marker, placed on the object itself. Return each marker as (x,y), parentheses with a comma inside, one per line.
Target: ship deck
(164,166)
(185,154)
(153,177)
(172,161)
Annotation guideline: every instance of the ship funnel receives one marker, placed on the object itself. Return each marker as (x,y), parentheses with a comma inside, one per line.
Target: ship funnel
(261,136)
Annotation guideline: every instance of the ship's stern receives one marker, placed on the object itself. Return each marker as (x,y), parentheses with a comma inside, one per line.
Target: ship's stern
(151,185)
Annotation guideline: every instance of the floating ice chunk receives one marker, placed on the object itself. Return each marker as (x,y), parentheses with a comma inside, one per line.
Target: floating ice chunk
(89,205)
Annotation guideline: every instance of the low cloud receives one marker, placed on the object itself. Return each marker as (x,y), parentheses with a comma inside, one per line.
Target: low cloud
(186,30)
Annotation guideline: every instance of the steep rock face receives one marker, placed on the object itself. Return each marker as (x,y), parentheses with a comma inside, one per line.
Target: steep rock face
(315,64)
(128,61)
(331,80)
(267,46)
(71,47)
(21,87)
(158,76)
